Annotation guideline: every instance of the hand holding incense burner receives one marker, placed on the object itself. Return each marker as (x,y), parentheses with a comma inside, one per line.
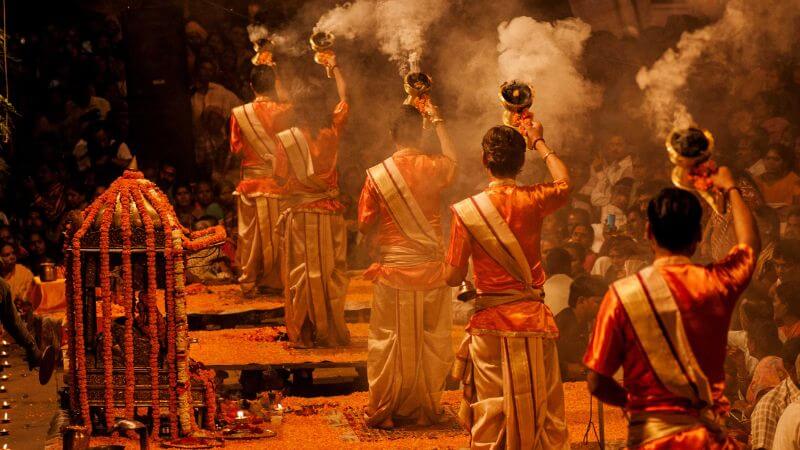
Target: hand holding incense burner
(418,86)
(690,150)
(322,45)
(517,98)
(259,37)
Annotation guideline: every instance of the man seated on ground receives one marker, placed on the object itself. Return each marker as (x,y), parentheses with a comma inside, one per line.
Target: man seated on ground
(769,409)
(11,321)
(557,265)
(18,277)
(786,309)
(574,324)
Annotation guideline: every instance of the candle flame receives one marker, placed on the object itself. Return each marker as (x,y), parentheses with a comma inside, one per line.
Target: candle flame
(240,414)
(280,407)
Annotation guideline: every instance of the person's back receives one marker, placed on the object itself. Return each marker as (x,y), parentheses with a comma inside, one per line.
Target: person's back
(409,348)
(666,326)
(510,348)
(704,295)
(426,177)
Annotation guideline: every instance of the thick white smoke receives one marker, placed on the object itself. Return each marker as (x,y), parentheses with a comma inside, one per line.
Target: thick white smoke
(397,26)
(748,34)
(547,56)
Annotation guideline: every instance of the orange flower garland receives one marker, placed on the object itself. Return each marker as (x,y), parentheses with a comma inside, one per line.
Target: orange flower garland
(167,224)
(199,240)
(152,311)
(129,190)
(127,300)
(79,366)
(105,292)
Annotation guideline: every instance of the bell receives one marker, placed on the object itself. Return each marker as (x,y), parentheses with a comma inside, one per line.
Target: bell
(466,292)
(134,425)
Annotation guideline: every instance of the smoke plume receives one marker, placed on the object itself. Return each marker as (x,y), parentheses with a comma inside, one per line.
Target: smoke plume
(397,26)
(547,56)
(748,35)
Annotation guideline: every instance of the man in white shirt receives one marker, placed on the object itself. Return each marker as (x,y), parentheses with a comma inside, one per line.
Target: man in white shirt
(209,94)
(557,265)
(787,433)
(618,165)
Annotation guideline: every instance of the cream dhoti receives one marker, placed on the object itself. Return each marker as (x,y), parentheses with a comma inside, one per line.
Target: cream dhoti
(410,350)
(315,276)
(256,248)
(513,398)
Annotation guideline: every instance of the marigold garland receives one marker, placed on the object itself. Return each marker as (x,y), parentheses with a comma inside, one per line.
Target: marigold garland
(152,311)
(128,304)
(167,224)
(132,189)
(105,293)
(79,366)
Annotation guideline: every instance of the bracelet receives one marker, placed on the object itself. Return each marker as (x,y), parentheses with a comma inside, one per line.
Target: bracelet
(436,120)
(536,141)
(547,155)
(732,188)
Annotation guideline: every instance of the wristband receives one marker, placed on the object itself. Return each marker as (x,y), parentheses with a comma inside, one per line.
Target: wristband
(536,141)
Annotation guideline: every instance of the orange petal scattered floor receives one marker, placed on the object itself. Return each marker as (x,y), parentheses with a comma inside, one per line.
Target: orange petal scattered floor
(251,346)
(315,432)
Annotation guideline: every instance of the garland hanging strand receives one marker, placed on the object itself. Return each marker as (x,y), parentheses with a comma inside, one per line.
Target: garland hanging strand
(79,364)
(105,293)
(152,310)
(127,302)
(167,224)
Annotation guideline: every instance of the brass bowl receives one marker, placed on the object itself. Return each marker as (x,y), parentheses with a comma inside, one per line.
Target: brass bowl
(321,40)
(516,96)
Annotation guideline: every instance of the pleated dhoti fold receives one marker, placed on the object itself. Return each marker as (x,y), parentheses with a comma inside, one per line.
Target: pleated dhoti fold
(257,251)
(315,276)
(513,397)
(409,355)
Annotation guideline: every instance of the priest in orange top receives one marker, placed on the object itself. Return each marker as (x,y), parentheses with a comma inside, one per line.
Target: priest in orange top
(666,327)
(508,363)
(313,228)
(409,347)
(261,194)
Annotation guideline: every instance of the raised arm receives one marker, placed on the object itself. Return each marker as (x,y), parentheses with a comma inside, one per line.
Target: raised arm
(341,84)
(558,170)
(744,224)
(431,112)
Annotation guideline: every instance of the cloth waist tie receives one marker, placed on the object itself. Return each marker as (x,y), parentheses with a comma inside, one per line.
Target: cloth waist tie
(256,172)
(397,256)
(492,299)
(307,197)
(645,426)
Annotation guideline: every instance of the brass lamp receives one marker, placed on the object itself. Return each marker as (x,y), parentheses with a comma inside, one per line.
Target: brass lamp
(690,149)
(322,45)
